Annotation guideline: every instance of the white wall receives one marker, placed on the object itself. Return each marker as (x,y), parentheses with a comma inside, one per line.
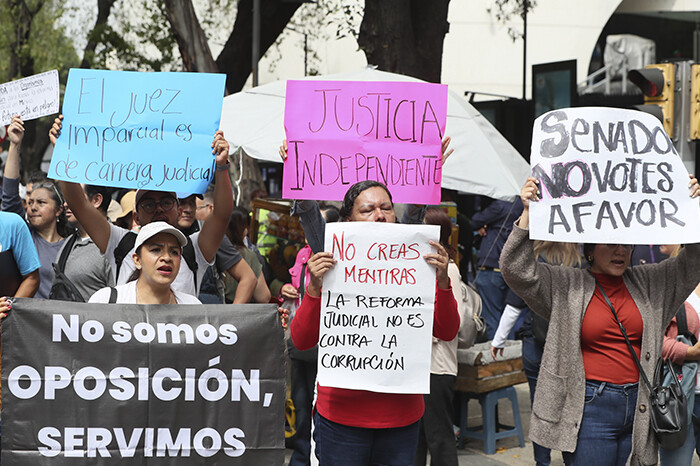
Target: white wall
(479,54)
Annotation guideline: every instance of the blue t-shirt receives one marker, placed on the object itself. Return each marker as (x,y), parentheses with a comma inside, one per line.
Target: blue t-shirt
(15,237)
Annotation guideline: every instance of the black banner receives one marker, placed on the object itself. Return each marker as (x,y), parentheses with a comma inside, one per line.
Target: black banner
(148,385)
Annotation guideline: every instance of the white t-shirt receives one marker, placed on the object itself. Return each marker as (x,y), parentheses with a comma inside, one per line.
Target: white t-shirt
(126,294)
(184,282)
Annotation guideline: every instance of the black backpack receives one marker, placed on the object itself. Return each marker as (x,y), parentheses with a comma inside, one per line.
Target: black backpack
(129,240)
(62,288)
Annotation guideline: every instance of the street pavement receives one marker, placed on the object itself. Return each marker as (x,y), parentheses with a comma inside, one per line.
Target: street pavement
(508,451)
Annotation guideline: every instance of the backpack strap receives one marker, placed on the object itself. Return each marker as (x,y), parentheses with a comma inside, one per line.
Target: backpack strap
(302,279)
(682,322)
(191,260)
(112,295)
(125,245)
(61,264)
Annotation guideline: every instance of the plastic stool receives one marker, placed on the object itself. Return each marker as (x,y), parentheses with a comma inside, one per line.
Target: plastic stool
(488,433)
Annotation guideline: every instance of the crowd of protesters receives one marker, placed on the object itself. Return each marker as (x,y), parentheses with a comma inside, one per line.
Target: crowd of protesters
(97,244)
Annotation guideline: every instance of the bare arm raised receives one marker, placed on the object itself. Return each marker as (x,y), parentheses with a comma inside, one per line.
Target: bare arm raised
(214,228)
(96,225)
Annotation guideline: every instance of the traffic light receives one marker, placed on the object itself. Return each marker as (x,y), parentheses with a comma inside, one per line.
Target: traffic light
(695,102)
(657,85)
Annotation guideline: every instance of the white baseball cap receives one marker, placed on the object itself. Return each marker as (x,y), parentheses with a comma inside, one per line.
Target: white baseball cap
(150,230)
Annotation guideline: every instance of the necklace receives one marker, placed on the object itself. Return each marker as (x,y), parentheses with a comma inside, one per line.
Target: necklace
(138,297)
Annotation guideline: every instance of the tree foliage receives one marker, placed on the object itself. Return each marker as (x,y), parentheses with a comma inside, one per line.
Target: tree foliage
(31,42)
(506,10)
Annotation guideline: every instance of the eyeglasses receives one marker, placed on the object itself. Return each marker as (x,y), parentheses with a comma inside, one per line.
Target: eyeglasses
(202,206)
(51,187)
(612,247)
(165,203)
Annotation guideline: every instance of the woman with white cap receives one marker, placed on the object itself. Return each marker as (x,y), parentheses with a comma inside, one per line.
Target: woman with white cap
(157,256)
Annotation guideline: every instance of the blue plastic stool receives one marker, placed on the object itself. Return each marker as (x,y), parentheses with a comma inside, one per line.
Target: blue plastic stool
(488,433)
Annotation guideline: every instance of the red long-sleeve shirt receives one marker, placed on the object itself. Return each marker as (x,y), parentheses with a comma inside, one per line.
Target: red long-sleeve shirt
(361,408)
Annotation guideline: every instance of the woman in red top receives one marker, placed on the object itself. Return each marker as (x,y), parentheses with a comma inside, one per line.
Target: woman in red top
(357,427)
(586,403)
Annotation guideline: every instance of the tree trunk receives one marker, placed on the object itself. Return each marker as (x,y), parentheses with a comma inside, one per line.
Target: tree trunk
(104,7)
(405,36)
(22,66)
(191,40)
(236,57)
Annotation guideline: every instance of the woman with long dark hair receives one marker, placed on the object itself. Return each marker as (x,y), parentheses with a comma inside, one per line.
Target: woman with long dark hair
(588,402)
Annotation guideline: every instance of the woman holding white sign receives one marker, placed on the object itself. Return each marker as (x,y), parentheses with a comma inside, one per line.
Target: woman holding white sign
(588,402)
(360,427)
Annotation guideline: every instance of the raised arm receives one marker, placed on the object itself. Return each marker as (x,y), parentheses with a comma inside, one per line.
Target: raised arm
(11,201)
(528,278)
(16,134)
(214,228)
(96,225)
(310,218)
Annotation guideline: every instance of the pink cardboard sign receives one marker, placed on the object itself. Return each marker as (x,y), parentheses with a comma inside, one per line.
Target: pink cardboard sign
(343,132)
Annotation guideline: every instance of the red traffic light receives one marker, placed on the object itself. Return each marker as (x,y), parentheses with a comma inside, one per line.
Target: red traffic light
(650,80)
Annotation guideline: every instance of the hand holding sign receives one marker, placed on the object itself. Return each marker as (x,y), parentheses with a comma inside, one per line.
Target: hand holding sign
(440,260)
(529,193)
(221,148)
(318,265)
(55,130)
(15,131)
(694,186)
(5,307)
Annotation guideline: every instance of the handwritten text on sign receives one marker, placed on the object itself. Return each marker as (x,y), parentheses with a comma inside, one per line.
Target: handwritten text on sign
(30,98)
(139,130)
(342,132)
(142,382)
(609,176)
(377,308)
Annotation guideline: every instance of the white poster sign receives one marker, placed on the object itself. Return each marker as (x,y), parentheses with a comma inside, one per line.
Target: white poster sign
(377,308)
(30,98)
(609,176)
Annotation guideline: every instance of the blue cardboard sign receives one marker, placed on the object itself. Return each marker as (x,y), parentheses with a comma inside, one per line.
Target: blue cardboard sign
(139,130)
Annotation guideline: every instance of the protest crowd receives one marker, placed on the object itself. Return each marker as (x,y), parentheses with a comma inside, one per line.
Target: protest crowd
(593,317)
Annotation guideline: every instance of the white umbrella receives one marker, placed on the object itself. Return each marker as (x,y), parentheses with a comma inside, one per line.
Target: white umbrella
(483,162)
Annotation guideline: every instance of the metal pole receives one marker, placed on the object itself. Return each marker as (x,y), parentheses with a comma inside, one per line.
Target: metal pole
(306,54)
(525,6)
(681,115)
(256,40)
